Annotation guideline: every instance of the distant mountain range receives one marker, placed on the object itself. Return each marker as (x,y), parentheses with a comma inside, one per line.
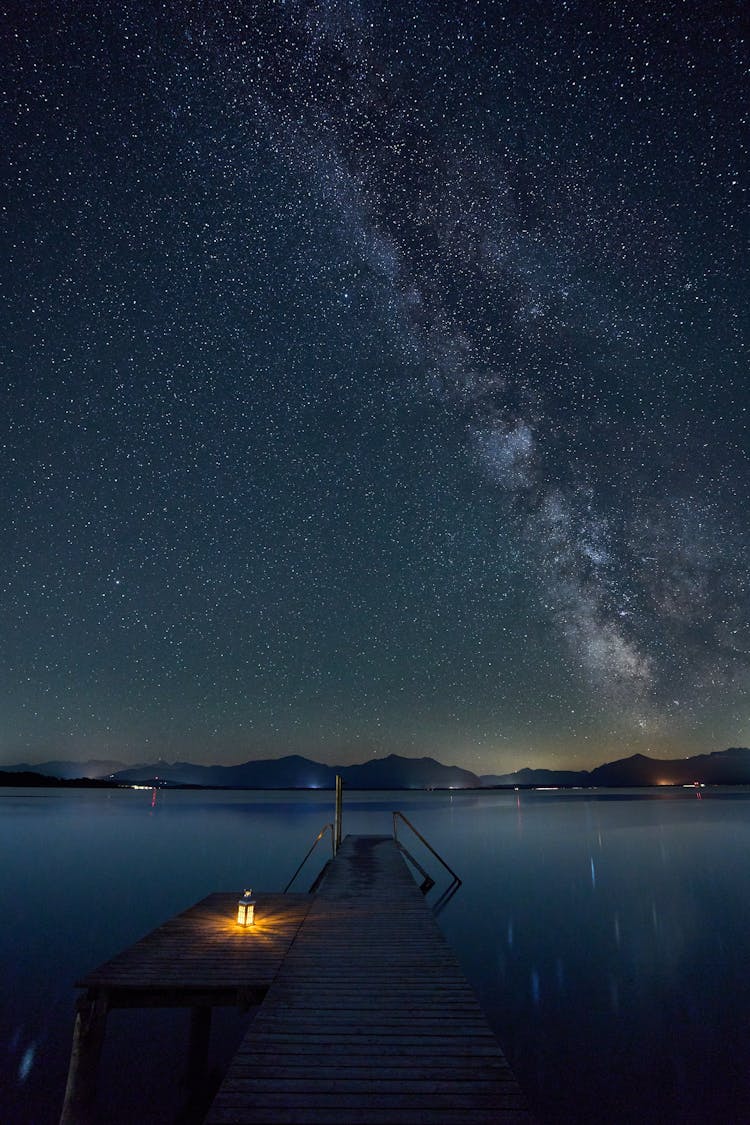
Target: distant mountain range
(291,772)
(94,767)
(723,767)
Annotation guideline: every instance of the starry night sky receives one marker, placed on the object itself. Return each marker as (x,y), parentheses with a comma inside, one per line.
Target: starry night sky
(374,379)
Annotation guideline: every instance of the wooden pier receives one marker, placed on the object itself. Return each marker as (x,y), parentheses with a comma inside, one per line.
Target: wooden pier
(201,959)
(366,1019)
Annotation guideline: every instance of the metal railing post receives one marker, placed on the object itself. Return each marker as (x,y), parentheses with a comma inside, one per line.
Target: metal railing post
(339,809)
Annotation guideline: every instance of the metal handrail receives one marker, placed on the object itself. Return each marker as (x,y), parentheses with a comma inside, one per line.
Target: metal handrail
(427,880)
(429,847)
(445,897)
(321,834)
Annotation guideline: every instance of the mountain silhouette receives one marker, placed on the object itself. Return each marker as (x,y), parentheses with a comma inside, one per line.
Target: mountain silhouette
(722,767)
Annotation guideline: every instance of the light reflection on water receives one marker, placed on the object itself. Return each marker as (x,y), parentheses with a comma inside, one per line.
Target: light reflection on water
(605,933)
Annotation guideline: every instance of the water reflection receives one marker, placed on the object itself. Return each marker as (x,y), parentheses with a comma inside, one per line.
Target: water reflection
(604,932)
(612,987)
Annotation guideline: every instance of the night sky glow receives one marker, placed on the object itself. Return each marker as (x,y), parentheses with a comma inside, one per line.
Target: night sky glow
(375,379)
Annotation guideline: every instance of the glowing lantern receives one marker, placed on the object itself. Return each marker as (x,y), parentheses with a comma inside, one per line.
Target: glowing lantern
(246,910)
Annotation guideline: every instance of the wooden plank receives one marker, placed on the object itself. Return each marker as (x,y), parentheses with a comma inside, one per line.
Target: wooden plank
(471,1070)
(342,1045)
(310,1088)
(298,1115)
(340,1102)
(415,1044)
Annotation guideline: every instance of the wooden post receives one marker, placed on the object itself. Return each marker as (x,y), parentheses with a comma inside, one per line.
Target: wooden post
(337,822)
(197,1060)
(88,1036)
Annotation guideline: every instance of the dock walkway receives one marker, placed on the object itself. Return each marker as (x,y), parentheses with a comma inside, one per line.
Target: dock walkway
(365,1017)
(369,1020)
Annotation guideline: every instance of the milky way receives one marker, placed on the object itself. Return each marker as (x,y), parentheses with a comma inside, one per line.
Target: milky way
(377,380)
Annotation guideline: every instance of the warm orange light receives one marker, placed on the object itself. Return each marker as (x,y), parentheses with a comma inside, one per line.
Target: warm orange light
(246,910)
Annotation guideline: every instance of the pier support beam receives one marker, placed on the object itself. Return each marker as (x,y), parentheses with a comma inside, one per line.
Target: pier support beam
(197,1060)
(88,1037)
(338,816)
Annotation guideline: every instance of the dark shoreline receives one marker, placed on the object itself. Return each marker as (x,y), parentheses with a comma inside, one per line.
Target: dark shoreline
(27,779)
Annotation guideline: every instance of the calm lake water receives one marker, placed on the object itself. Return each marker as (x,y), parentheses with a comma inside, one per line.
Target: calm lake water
(607,934)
